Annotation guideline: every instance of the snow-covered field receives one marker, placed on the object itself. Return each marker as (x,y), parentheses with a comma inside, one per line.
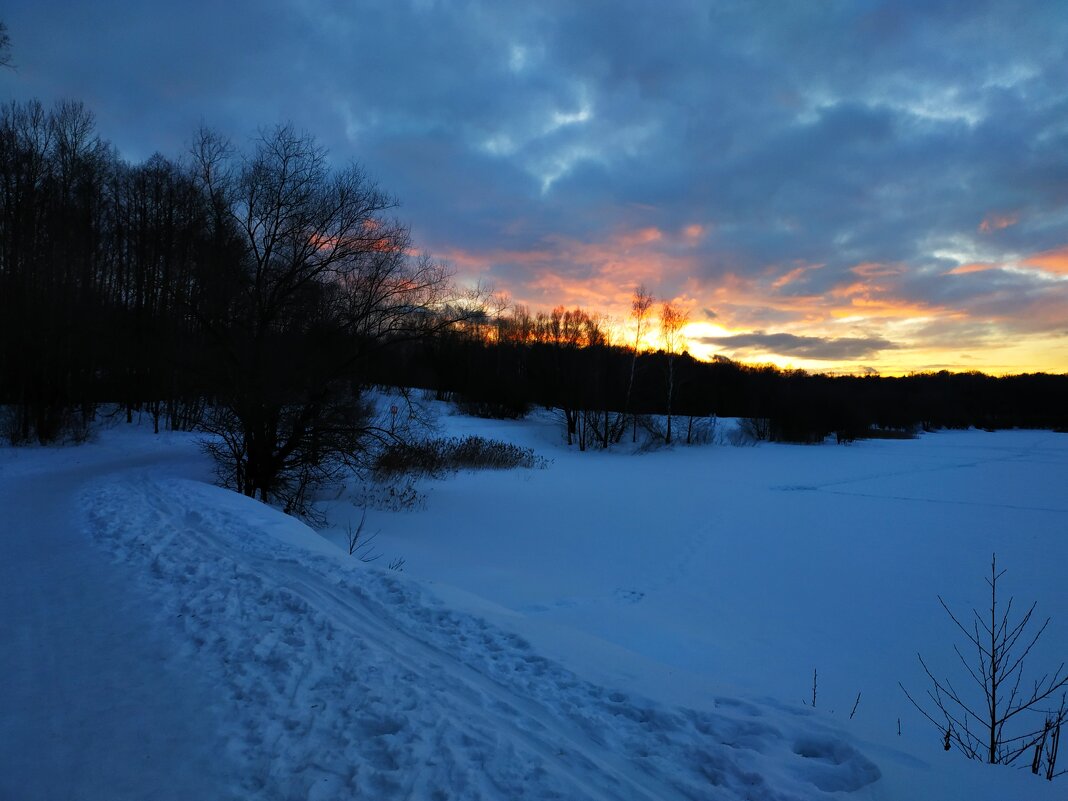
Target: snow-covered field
(615,625)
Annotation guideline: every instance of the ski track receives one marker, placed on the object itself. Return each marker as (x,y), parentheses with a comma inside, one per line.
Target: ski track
(345,681)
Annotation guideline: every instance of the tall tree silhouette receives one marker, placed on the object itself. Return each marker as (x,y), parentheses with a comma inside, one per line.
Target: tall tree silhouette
(672,320)
(323,279)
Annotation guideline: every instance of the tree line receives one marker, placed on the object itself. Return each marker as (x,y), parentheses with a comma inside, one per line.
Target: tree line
(604,390)
(240,293)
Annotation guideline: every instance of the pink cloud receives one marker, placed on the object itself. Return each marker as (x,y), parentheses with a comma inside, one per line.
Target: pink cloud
(694,233)
(976,267)
(996,222)
(1052,261)
(793,275)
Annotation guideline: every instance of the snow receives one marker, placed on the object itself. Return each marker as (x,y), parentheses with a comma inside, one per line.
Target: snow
(614,626)
(93,703)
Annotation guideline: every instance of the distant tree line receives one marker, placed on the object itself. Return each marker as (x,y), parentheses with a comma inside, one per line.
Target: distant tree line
(562,360)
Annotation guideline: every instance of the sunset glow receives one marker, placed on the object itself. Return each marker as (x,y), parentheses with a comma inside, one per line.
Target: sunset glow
(864,323)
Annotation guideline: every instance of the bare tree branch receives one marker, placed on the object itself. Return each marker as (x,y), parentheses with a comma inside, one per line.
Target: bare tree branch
(998,673)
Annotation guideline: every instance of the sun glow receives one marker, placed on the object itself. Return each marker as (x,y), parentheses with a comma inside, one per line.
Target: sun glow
(859,319)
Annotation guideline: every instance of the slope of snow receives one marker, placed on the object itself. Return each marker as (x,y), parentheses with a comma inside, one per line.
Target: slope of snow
(350,682)
(612,627)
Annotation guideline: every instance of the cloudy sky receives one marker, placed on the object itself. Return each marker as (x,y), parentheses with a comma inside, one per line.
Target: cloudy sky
(829,185)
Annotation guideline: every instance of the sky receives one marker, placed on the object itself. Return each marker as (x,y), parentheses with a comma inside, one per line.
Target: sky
(835,186)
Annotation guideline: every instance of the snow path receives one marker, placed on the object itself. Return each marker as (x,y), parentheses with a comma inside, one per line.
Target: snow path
(343,681)
(93,704)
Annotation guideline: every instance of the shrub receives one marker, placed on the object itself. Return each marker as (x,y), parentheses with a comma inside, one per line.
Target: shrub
(493,409)
(397,494)
(998,716)
(876,432)
(797,430)
(23,424)
(436,457)
(755,429)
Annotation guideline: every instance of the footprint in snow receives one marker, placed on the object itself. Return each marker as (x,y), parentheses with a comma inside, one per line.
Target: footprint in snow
(833,766)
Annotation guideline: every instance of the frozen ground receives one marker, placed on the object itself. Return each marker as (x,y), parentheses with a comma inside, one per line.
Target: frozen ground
(613,626)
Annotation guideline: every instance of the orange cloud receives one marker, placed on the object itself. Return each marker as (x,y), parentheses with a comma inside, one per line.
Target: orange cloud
(601,275)
(693,232)
(743,301)
(874,269)
(853,290)
(975,267)
(643,236)
(1052,261)
(996,222)
(793,275)
(881,309)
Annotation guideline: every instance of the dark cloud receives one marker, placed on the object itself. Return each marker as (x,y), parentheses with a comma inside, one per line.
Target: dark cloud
(817,348)
(829,134)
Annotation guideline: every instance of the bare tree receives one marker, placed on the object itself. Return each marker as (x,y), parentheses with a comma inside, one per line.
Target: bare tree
(570,331)
(640,305)
(499,303)
(672,321)
(361,545)
(323,279)
(5,47)
(975,722)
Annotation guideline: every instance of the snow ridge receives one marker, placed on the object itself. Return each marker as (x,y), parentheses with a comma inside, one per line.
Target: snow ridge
(348,681)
